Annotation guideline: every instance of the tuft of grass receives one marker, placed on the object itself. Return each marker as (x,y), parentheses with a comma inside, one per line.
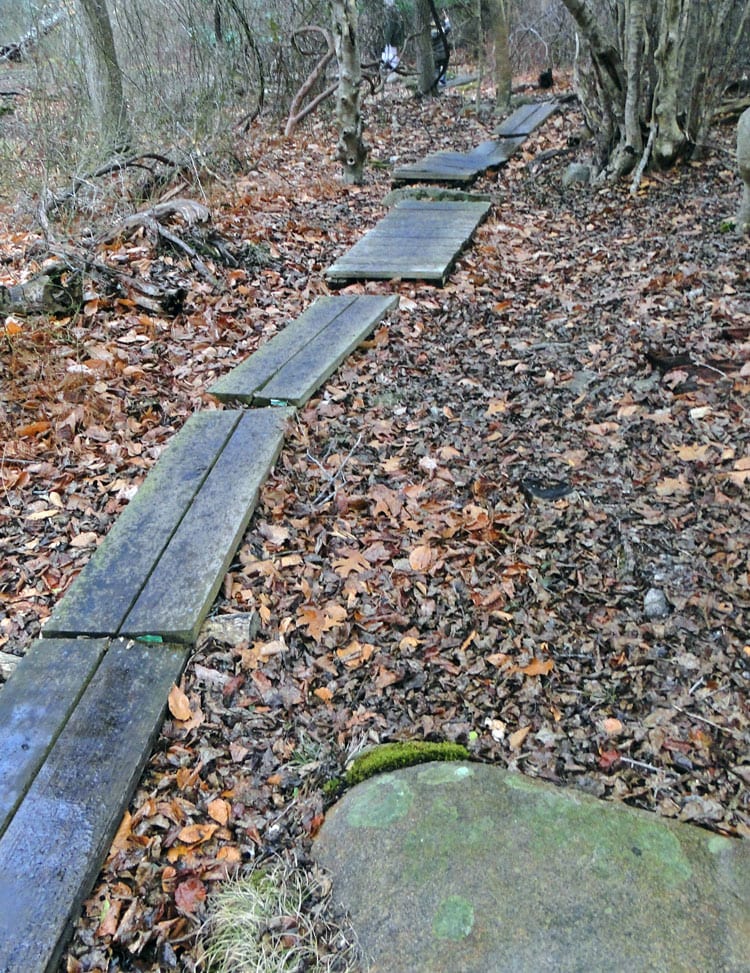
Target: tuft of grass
(393,756)
(278,918)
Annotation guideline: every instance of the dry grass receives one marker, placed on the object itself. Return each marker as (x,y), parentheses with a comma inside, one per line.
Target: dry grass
(278,918)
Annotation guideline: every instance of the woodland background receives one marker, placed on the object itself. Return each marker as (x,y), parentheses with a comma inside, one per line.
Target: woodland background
(516,519)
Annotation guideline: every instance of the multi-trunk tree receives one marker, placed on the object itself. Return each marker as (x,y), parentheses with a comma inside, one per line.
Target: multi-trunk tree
(656,71)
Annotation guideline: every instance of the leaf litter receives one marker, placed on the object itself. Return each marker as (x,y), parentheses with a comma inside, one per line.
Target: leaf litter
(463,532)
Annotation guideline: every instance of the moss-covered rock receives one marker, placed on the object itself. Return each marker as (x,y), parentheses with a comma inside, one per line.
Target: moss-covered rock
(394,756)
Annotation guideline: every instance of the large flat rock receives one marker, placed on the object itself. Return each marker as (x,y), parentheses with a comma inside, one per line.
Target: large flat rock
(466,868)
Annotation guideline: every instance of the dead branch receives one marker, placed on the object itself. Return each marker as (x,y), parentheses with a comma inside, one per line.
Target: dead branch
(298,110)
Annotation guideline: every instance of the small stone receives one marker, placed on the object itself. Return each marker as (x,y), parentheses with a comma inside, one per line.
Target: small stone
(576,172)
(655,604)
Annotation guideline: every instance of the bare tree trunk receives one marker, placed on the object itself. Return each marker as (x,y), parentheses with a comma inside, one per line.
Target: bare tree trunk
(743,166)
(104,76)
(351,150)
(503,72)
(656,66)
(425,60)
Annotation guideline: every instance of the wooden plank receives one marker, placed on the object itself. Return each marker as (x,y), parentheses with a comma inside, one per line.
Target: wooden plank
(243,381)
(54,846)
(526,119)
(35,704)
(178,594)
(307,371)
(386,253)
(103,594)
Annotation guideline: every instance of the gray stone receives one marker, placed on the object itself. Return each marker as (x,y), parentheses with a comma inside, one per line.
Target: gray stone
(466,868)
(576,173)
(655,604)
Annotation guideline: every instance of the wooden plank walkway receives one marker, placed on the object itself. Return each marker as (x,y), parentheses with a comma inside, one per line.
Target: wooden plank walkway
(160,566)
(296,362)
(463,168)
(31,716)
(80,712)
(53,846)
(416,240)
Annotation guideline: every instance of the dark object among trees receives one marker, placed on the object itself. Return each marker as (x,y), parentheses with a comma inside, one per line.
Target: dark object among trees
(546,79)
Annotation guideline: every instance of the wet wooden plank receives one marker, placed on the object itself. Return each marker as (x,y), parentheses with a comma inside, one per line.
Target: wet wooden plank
(103,594)
(241,384)
(526,119)
(178,594)
(55,844)
(396,248)
(35,704)
(307,371)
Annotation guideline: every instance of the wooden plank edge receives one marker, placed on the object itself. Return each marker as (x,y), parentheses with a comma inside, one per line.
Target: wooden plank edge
(85,609)
(32,717)
(241,382)
(376,307)
(144,618)
(36,859)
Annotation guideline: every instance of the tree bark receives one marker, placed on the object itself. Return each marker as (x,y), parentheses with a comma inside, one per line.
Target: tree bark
(423,42)
(104,76)
(351,149)
(503,72)
(743,167)
(656,67)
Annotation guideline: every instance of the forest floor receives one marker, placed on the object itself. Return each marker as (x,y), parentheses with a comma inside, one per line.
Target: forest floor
(516,519)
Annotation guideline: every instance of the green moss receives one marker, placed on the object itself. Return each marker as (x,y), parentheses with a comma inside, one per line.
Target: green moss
(393,756)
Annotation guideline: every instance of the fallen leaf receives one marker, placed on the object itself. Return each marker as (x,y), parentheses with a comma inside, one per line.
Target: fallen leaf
(516,739)
(189,895)
(197,834)
(179,705)
(422,558)
(219,810)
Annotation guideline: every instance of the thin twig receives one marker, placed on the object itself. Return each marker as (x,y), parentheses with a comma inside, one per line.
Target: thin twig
(641,765)
(326,494)
(716,726)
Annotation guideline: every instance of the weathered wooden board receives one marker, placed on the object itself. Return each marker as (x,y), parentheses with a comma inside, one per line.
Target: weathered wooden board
(526,119)
(103,594)
(465,167)
(395,248)
(54,846)
(252,374)
(307,371)
(177,596)
(302,356)
(35,704)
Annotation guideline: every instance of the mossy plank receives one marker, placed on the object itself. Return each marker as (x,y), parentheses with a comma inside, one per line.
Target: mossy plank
(307,371)
(54,846)
(178,594)
(103,594)
(242,382)
(35,704)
